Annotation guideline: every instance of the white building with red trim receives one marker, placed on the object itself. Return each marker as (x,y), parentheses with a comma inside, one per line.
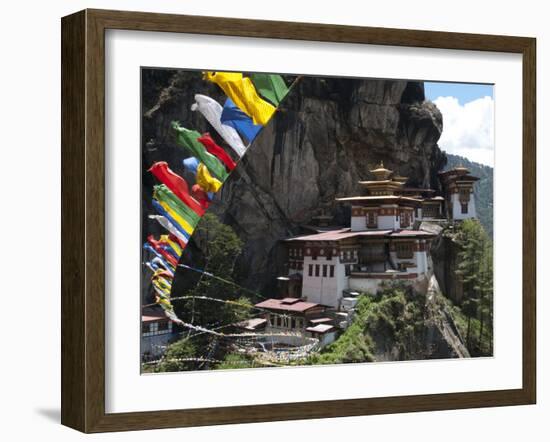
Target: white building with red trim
(459,190)
(383,242)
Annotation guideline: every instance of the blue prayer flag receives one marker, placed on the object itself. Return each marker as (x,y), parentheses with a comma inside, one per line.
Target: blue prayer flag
(238,120)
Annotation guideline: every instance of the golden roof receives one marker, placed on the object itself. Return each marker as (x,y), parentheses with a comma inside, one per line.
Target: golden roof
(381,173)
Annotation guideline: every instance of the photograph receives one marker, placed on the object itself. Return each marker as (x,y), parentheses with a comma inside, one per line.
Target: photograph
(297,220)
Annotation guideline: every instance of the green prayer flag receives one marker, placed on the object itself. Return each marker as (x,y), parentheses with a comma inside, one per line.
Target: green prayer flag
(188,139)
(162,193)
(270,86)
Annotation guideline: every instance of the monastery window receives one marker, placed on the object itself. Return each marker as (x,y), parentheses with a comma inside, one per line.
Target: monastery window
(464,194)
(163,326)
(348,269)
(331,272)
(292,323)
(371,219)
(324,271)
(404,250)
(405,221)
(430,211)
(464,207)
(310,270)
(317,269)
(145,328)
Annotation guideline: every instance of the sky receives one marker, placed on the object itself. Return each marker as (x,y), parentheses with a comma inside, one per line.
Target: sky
(468,119)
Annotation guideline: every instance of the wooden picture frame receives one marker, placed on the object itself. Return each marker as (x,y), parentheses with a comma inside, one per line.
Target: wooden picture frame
(83,210)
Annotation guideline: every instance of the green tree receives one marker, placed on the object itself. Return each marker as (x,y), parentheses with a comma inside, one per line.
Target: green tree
(177,357)
(216,300)
(221,247)
(475,269)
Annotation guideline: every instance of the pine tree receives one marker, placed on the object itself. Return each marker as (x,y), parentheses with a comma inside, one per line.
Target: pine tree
(475,269)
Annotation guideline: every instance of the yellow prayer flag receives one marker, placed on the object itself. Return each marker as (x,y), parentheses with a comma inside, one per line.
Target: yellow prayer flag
(206,181)
(176,216)
(242,92)
(172,244)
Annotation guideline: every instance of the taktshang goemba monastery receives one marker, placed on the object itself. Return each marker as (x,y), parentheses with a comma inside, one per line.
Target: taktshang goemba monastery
(329,268)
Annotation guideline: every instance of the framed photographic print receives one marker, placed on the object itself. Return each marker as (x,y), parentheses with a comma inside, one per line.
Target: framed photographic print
(266,221)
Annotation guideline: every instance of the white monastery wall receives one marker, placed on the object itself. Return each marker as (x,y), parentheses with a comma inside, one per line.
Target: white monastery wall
(323,289)
(457,208)
(358,223)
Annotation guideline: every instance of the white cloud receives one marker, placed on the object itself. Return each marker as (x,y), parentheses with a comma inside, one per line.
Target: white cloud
(468,129)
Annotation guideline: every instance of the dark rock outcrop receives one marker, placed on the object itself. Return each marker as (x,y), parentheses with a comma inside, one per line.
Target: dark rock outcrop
(444,252)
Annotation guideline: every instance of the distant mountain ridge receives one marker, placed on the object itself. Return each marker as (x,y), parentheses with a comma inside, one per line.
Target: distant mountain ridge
(483,189)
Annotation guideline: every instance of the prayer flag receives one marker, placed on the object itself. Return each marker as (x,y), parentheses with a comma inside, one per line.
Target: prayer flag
(191,164)
(173,218)
(163,194)
(199,194)
(234,117)
(243,93)
(206,181)
(159,261)
(188,139)
(212,111)
(211,146)
(270,86)
(172,242)
(176,184)
(170,227)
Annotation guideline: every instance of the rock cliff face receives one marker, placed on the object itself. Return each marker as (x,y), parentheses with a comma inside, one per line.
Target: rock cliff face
(327,135)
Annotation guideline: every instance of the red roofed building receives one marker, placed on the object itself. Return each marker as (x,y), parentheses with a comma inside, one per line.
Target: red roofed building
(156,333)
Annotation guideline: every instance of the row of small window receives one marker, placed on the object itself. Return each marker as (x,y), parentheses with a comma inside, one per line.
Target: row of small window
(155,328)
(286,321)
(430,211)
(406,218)
(295,252)
(327,270)
(349,254)
(404,250)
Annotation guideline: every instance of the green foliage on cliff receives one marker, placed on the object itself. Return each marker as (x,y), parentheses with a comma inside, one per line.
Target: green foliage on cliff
(475,269)
(175,357)
(233,360)
(483,189)
(390,321)
(221,248)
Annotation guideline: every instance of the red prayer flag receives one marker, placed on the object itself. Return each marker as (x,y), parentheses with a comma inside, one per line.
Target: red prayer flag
(157,246)
(200,195)
(217,151)
(176,239)
(177,185)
